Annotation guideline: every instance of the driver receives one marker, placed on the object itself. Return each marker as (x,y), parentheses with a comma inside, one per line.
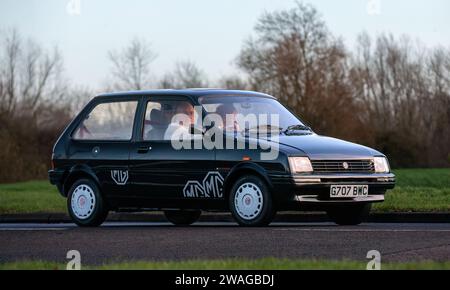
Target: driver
(181,123)
(228,114)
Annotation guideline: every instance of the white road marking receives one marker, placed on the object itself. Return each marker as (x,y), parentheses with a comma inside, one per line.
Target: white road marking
(366,230)
(302,227)
(33,229)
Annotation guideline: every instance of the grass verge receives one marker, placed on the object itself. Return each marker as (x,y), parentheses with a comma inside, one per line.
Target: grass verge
(232,264)
(31,197)
(418,190)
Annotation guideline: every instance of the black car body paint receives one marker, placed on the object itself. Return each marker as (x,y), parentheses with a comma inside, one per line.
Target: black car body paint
(136,174)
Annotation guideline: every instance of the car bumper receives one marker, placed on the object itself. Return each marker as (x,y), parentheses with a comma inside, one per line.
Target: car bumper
(314,199)
(314,189)
(56,178)
(379,180)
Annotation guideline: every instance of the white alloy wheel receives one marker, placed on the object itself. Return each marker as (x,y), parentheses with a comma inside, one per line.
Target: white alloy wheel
(83,201)
(248,201)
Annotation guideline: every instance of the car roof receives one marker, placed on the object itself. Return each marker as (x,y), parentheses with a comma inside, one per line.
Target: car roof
(184,92)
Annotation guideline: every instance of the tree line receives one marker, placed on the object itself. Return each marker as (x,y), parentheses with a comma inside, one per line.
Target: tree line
(388,92)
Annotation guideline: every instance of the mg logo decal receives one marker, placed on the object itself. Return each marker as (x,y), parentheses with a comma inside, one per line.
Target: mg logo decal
(212,187)
(194,189)
(120,177)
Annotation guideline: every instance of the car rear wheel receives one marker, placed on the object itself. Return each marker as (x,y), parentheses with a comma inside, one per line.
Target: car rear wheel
(85,204)
(250,202)
(350,214)
(182,217)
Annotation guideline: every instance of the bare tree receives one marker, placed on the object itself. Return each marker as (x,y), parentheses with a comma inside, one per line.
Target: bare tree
(79,97)
(295,58)
(405,92)
(391,94)
(233,82)
(33,106)
(185,75)
(131,66)
(28,74)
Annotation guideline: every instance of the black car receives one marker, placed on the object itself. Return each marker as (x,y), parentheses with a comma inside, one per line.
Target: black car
(184,151)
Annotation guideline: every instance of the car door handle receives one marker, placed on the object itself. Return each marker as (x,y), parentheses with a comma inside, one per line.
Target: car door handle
(144,149)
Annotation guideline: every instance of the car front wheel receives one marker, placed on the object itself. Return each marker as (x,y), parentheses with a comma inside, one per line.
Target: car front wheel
(85,204)
(349,214)
(250,202)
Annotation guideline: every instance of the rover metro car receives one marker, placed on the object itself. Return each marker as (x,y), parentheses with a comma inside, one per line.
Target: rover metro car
(116,155)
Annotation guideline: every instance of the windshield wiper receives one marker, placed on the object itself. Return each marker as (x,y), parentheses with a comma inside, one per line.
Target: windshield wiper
(298,127)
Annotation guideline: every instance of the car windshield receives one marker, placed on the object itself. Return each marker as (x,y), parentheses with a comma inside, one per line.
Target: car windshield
(269,114)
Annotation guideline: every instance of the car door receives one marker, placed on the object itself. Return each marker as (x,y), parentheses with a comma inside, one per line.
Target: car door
(101,143)
(158,170)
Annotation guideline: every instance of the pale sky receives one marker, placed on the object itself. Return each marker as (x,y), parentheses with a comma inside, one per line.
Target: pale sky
(207,32)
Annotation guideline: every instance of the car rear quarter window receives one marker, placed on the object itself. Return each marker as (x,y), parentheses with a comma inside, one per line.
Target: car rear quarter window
(108,121)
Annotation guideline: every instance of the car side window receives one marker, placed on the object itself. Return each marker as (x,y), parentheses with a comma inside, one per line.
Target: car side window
(164,118)
(108,121)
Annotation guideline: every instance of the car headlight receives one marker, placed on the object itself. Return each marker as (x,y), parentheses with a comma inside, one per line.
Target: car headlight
(300,164)
(381,165)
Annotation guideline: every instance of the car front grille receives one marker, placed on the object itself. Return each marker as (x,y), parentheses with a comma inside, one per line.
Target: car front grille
(343,166)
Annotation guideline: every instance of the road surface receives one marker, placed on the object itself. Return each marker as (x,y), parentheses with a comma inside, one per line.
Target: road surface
(115,242)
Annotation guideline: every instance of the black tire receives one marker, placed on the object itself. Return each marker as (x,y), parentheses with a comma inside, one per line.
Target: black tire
(349,215)
(251,210)
(98,211)
(182,217)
